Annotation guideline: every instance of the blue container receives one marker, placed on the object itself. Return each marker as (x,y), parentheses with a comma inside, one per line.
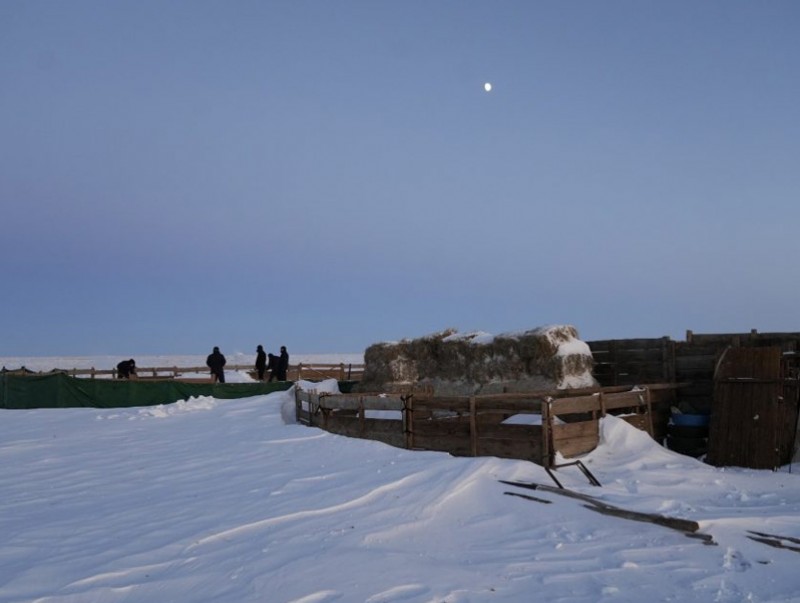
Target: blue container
(692,420)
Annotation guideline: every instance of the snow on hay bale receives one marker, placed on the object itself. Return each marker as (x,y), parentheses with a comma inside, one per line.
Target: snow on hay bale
(460,364)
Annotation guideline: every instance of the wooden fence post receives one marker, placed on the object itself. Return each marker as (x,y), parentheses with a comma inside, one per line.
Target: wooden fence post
(362,426)
(649,414)
(546,433)
(408,421)
(473,427)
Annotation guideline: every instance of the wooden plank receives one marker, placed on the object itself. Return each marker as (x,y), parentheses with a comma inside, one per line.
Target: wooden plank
(574,439)
(751,363)
(487,417)
(442,404)
(569,431)
(532,406)
(408,423)
(346,426)
(383,402)
(458,446)
(624,400)
(576,446)
(383,426)
(443,428)
(473,428)
(547,437)
(578,404)
(355,402)
(512,432)
(638,421)
(511,449)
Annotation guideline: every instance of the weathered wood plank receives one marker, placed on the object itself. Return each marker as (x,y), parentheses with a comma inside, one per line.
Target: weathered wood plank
(443,428)
(457,446)
(578,404)
(512,432)
(355,402)
(624,400)
(510,449)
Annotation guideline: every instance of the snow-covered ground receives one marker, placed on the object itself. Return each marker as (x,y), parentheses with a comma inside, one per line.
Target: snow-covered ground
(210,500)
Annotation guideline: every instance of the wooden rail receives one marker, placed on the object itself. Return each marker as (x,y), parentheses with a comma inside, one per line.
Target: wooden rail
(533,426)
(296,372)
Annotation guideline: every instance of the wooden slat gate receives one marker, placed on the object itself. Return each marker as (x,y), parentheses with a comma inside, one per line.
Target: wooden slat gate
(754,410)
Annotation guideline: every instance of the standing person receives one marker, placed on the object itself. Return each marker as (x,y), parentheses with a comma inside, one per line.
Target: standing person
(261,362)
(283,364)
(216,362)
(126,368)
(273,366)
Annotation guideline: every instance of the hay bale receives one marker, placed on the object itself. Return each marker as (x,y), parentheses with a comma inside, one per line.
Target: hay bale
(460,364)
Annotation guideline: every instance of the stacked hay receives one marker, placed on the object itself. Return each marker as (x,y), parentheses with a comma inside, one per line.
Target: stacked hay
(454,364)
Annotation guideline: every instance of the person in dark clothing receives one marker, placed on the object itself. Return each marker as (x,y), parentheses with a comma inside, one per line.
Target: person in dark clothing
(216,362)
(126,368)
(261,362)
(272,366)
(283,364)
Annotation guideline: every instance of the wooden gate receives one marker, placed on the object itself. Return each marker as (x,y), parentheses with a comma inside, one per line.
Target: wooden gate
(754,411)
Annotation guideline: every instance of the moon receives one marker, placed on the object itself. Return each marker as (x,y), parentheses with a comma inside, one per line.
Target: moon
(487,86)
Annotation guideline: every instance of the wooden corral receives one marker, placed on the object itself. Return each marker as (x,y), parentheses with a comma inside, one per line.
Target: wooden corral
(534,426)
(754,418)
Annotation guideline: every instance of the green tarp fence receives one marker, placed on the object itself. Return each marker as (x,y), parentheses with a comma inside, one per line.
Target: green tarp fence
(62,391)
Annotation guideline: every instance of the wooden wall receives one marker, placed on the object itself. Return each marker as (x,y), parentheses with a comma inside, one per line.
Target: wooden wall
(691,362)
(755,409)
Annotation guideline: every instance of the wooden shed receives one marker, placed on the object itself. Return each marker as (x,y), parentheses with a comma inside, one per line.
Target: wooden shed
(755,408)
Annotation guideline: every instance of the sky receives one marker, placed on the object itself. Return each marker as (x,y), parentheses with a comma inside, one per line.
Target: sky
(233,501)
(326,175)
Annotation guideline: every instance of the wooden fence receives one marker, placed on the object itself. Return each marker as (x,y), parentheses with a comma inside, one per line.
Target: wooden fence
(691,362)
(296,372)
(531,426)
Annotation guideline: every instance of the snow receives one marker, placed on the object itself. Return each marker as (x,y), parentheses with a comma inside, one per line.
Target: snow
(231,501)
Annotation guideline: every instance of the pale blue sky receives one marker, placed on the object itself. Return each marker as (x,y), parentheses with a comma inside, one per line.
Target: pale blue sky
(328,174)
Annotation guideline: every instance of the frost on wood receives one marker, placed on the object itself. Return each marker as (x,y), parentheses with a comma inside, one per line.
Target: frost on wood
(453,363)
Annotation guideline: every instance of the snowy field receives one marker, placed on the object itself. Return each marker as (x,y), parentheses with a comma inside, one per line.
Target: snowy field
(210,500)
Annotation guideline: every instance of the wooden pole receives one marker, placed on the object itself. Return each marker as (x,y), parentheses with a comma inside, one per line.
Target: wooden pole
(361,417)
(546,433)
(408,416)
(473,426)
(649,414)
